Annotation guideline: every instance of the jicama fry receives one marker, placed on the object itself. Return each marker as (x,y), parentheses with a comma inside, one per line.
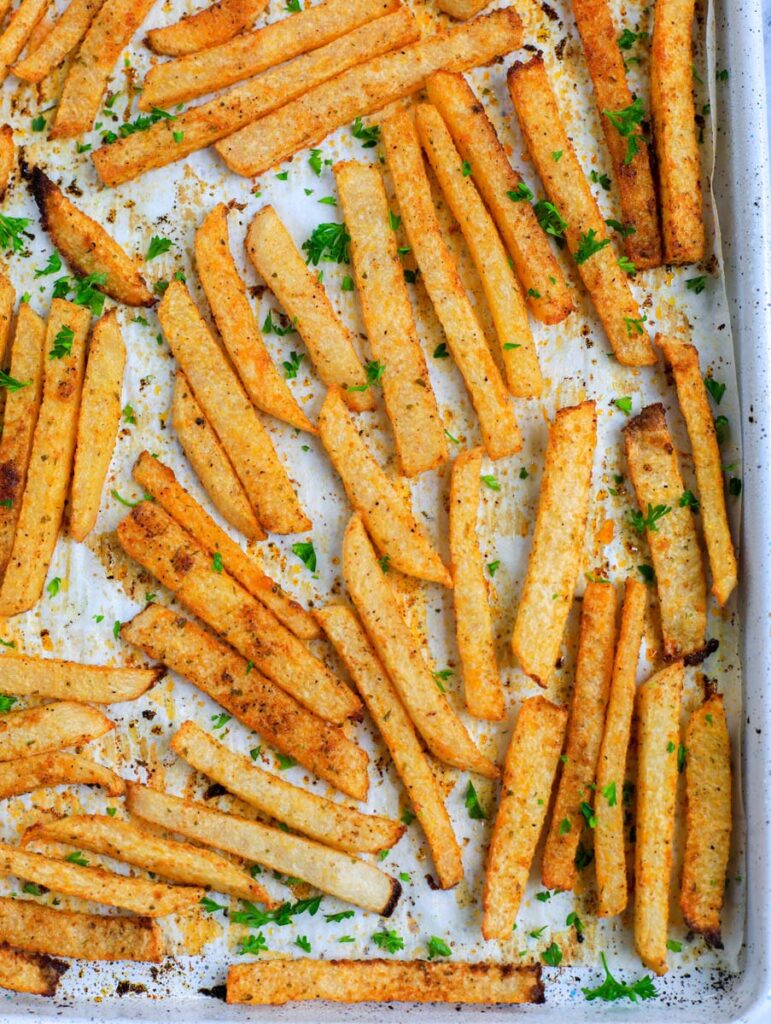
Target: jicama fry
(59,43)
(7,302)
(206,28)
(7,157)
(461,9)
(67,680)
(18,31)
(39,771)
(29,972)
(50,727)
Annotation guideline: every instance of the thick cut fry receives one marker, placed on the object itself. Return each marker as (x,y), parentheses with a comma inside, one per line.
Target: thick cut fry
(29,972)
(461,9)
(587,716)
(50,727)
(528,776)
(152,537)
(329,823)
(56,769)
(707,819)
(231,414)
(501,288)
(557,551)
(159,481)
(332,871)
(582,223)
(671,533)
(658,713)
(462,329)
(274,982)
(388,319)
(209,27)
(50,462)
(18,31)
(98,423)
(86,245)
(694,405)
(7,157)
(444,733)
(59,43)
(398,732)
(107,35)
(39,929)
(302,296)
(67,680)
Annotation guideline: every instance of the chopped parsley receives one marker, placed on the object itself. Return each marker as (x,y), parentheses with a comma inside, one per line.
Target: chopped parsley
(441,351)
(622,229)
(491,482)
(302,940)
(609,792)
(390,941)
(550,219)
(552,956)
(306,553)
(374,371)
(589,245)
(635,325)
(475,810)
(253,944)
(624,404)
(647,572)
(292,365)
(11,384)
(600,179)
(520,194)
(626,122)
(254,917)
(54,586)
(216,562)
(641,522)
(76,857)
(129,415)
(465,168)
(689,500)
(343,915)
(271,326)
(6,703)
(493,567)
(210,906)
(627,265)
(611,990)
(53,266)
(158,246)
(285,761)
(368,136)
(715,388)
(328,242)
(221,720)
(696,284)
(10,231)
(438,947)
(62,345)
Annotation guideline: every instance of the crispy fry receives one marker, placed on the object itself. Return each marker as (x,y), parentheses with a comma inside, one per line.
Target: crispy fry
(557,552)
(50,727)
(98,423)
(373,596)
(302,296)
(501,288)
(29,972)
(56,769)
(208,27)
(18,31)
(658,711)
(569,192)
(332,871)
(7,302)
(528,776)
(694,405)
(230,413)
(587,716)
(440,275)
(461,9)
(67,680)
(388,319)
(7,157)
(59,43)
(671,533)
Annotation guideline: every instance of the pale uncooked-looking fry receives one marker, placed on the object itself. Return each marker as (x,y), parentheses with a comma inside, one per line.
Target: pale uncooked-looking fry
(302,296)
(658,738)
(388,318)
(206,28)
(410,761)
(669,527)
(107,35)
(100,410)
(29,972)
(158,543)
(86,245)
(126,842)
(39,771)
(7,157)
(587,716)
(50,461)
(707,464)
(50,727)
(57,44)
(557,551)
(372,594)
(332,824)
(528,776)
(500,285)
(332,871)
(273,982)
(40,929)
(231,414)
(440,275)
(580,218)
(674,132)
(168,141)
(159,481)
(707,819)
(24,676)
(17,32)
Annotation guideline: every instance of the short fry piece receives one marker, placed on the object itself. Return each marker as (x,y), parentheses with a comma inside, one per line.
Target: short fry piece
(50,727)
(58,44)
(206,28)
(56,769)
(18,31)
(461,9)
(528,776)
(556,554)
(29,972)
(7,157)
(24,676)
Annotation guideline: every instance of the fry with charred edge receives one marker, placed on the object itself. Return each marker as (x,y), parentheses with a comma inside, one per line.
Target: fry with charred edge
(171,554)
(42,771)
(669,527)
(39,929)
(206,28)
(59,43)
(100,410)
(329,342)
(372,594)
(332,871)
(18,31)
(50,461)
(25,676)
(332,824)
(388,319)
(462,329)
(269,983)
(29,972)
(7,302)
(231,414)
(499,283)
(50,727)
(126,842)
(159,481)
(110,31)
(7,157)
(226,295)
(410,761)
(528,776)
(587,716)
(694,405)
(577,213)
(86,245)
(557,551)
(658,736)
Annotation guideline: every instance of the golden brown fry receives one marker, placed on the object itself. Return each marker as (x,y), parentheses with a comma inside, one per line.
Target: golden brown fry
(59,42)
(29,972)
(24,676)
(388,319)
(461,9)
(208,27)
(587,716)
(7,157)
(557,551)
(56,769)
(50,727)
(18,31)
(528,776)
(7,302)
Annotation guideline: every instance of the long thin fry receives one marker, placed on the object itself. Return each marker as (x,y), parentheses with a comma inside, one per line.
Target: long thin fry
(18,31)
(57,44)
(7,158)
(206,28)
(39,771)
(67,680)
(29,972)
(50,727)
(7,302)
